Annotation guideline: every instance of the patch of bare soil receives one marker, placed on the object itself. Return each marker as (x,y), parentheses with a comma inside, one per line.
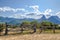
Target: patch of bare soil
(31,37)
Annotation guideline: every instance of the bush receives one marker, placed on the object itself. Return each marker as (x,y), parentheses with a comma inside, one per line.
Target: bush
(1,28)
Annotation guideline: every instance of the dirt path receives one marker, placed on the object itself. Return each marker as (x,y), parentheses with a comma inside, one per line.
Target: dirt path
(32,37)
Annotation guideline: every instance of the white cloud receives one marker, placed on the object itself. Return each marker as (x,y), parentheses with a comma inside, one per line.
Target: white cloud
(47,13)
(4,9)
(36,14)
(26,15)
(58,14)
(33,15)
(35,7)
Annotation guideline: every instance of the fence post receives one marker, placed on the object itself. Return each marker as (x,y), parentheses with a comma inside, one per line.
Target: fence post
(41,28)
(6,29)
(53,29)
(34,28)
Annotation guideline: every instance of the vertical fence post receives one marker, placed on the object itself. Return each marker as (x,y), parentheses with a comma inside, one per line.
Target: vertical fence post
(34,28)
(53,29)
(21,26)
(41,29)
(6,29)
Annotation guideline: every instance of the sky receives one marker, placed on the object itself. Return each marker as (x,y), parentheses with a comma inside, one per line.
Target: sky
(29,8)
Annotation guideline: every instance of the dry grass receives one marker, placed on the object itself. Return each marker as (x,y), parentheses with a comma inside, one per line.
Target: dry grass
(47,35)
(31,37)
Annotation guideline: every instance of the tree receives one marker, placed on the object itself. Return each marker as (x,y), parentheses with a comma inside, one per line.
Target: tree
(34,25)
(24,24)
(53,27)
(42,26)
(45,25)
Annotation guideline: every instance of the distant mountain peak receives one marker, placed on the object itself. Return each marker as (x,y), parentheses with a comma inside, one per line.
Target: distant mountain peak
(53,19)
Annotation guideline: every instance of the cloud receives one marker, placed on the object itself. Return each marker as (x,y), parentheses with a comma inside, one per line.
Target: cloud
(36,14)
(4,9)
(32,15)
(58,14)
(35,7)
(47,13)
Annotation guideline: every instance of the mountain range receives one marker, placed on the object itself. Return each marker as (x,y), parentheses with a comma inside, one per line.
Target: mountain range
(53,19)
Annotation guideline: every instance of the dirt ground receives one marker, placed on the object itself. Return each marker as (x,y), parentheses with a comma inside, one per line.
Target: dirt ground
(31,37)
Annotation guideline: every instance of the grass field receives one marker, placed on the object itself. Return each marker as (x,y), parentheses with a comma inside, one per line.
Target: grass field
(45,35)
(31,37)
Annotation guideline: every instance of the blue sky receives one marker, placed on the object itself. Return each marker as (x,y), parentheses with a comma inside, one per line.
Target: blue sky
(27,6)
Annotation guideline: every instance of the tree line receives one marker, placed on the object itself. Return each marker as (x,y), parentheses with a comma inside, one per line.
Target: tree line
(34,25)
